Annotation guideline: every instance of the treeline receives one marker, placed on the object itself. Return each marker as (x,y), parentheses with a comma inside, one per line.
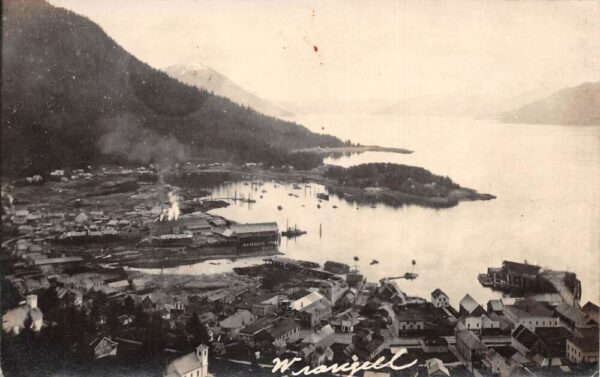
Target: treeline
(72,97)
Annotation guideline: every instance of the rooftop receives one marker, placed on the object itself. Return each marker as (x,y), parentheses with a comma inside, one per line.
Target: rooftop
(255,228)
(521,268)
(524,336)
(282,327)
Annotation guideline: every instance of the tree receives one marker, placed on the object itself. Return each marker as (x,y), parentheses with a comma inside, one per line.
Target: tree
(197,331)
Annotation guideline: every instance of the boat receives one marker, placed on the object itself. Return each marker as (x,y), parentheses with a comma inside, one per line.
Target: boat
(334,206)
(411,275)
(374,261)
(292,232)
(296,187)
(214,263)
(323,196)
(318,206)
(279,207)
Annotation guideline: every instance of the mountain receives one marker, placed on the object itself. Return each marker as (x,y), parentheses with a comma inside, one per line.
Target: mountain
(206,78)
(579,105)
(71,96)
(472,102)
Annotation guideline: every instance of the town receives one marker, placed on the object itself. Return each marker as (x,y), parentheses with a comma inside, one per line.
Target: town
(74,244)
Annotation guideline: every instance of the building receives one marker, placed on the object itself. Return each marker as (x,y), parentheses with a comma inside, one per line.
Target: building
(582,347)
(345,321)
(307,300)
(494,361)
(478,323)
(439,299)
(469,346)
(321,338)
(261,310)
(333,289)
(531,314)
(315,314)
(255,235)
(366,345)
(282,331)
(184,224)
(194,364)
(434,344)
(236,322)
(523,339)
(551,341)
(250,332)
(13,321)
(495,306)
(336,267)
(591,311)
(102,346)
(468,306)
(571,317)
(436,368)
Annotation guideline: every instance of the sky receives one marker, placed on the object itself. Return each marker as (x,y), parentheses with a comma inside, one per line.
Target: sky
(359,51)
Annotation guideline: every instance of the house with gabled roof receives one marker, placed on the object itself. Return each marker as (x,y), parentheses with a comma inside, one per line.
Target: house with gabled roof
(439,299)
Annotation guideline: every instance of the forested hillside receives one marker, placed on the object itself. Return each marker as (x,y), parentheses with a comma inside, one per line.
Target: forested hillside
(71,96)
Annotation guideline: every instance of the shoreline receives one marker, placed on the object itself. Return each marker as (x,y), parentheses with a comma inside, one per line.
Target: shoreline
(354,149)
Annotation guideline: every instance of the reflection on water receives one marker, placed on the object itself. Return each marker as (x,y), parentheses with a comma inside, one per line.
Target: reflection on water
(546,179)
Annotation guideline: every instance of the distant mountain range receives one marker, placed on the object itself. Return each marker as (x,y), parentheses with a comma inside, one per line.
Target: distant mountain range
(579,105)
(71,96)
(463,103)
(206,78)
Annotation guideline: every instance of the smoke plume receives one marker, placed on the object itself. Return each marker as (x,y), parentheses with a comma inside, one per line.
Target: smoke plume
(127,138)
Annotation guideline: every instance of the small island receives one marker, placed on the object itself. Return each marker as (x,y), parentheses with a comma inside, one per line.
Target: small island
(397,184)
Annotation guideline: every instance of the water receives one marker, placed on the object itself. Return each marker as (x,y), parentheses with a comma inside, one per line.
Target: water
(546,179)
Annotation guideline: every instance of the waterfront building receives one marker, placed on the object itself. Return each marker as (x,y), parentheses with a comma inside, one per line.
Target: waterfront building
(439,299)
(255,235)
(194,364)
(336,267)
(184,224)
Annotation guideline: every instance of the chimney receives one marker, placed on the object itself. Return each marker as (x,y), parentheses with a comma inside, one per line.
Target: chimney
(32,301)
